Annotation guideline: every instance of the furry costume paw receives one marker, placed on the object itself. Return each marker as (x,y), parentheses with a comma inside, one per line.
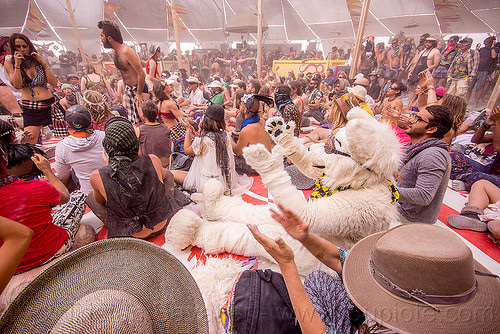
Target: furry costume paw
(212,192)
(259,158)
(281,132)
(183,228)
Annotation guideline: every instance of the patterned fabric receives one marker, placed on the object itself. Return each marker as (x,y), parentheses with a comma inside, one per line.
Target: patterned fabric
(291,113)
(464,65)
(120,143)
(331,301)
(177,131)
(441,70)
(469,171)
(8,180)
(98,86)
(68,216)
(59,127)
(130,93)
(12,121)
(322,191)
(39,80)
(37,105)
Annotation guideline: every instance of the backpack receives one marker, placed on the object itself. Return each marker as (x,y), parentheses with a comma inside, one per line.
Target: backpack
(259,303)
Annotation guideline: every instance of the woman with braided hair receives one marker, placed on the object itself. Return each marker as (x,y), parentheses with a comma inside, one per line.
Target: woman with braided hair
(98,107)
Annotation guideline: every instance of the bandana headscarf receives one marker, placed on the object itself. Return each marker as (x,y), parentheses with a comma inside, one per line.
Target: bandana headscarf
(120,143)
(281,100)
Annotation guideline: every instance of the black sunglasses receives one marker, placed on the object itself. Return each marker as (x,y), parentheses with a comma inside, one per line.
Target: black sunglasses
(417,118)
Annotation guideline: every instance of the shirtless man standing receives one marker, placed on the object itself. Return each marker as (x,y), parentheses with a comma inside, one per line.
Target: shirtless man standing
(394,61)
(127,61)
(427,59)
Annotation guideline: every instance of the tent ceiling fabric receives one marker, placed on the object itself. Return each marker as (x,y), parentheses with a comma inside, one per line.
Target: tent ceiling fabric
(204,21)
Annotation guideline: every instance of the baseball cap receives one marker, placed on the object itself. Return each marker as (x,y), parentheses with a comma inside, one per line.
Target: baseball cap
(440,91)
(78,118)
(466,40)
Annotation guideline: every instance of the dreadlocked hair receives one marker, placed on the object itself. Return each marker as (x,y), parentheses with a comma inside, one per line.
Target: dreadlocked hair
(457,107)
(97,106)
(6,134)
(208,125)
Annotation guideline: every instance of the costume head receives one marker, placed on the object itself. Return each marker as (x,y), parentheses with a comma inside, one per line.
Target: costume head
(365,152)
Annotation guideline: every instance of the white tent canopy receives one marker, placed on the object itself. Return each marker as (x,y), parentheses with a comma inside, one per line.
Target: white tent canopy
(205,21)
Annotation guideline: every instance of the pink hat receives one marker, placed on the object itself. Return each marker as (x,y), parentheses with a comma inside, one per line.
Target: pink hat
(440,91)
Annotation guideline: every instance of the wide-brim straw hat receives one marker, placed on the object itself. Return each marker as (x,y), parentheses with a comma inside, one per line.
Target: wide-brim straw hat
(358,91)
(121,285)
(422,259)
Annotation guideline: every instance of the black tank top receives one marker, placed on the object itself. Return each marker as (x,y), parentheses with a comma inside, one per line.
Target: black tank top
(138,199)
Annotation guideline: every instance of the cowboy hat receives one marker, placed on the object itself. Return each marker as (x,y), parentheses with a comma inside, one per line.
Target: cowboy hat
(420,278)
(121,285)
(358,91)
(193,80)
(215,84)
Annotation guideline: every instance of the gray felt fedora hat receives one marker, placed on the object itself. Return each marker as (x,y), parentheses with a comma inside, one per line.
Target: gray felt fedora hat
(121,285)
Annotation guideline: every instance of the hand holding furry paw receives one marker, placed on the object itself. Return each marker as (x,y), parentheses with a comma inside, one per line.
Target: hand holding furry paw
(293,224)
(278,249)
(280,132)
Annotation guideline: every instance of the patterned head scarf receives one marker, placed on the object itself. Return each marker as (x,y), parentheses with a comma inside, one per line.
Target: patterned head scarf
(120,143)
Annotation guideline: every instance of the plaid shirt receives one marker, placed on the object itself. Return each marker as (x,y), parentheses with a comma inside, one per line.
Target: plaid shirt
(472,59)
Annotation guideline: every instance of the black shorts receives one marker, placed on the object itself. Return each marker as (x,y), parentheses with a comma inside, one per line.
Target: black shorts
(37,113)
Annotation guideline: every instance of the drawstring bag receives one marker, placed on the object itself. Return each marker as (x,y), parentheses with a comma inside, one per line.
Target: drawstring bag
(259,303)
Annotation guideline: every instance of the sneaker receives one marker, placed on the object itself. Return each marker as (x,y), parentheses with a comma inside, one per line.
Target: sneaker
(457,185)
(467,223)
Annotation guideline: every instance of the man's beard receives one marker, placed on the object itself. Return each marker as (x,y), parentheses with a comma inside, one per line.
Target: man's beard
(106,44)
(416,132)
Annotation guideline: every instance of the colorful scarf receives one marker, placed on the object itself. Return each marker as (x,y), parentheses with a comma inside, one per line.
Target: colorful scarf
(282,100)
(8,180)
(250,120)
(450,47)
(321,191)
(413,149)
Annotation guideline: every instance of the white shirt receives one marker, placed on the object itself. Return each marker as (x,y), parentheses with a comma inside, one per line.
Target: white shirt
(196,97)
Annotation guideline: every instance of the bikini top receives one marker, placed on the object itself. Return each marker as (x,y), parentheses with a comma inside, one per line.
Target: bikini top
(39,80)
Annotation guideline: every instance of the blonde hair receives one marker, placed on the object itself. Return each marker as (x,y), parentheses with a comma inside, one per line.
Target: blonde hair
(337,116)
(457,107)
(96,105)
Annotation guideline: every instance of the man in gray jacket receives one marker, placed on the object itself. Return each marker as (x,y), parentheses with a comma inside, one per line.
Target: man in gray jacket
(426,166)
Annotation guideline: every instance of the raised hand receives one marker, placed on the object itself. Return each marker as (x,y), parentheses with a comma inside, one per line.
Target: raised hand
(278,249)
(293,224)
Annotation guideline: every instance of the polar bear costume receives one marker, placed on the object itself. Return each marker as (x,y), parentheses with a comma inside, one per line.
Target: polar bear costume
(358,173)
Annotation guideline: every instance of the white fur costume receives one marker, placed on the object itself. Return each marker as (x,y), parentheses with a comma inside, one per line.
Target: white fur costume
(368,153)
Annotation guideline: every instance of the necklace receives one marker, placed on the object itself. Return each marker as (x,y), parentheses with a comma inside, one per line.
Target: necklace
(389,100)
(71,101)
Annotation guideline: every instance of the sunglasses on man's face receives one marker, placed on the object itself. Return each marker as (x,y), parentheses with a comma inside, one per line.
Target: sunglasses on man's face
(416,118)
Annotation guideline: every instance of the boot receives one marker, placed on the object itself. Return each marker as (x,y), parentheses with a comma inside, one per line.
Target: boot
(468,219)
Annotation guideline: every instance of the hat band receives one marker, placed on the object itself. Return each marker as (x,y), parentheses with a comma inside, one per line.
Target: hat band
(417,294)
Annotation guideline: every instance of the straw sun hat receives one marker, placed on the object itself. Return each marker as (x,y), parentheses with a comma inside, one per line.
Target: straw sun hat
(120,285)
(436,268)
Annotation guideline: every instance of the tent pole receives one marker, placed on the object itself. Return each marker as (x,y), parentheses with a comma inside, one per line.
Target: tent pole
(359,39)
(177,39)
(77,35)
(495,94)
(259,38)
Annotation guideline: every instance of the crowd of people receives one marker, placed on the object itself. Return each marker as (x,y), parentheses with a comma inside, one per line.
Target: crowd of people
(134,135)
